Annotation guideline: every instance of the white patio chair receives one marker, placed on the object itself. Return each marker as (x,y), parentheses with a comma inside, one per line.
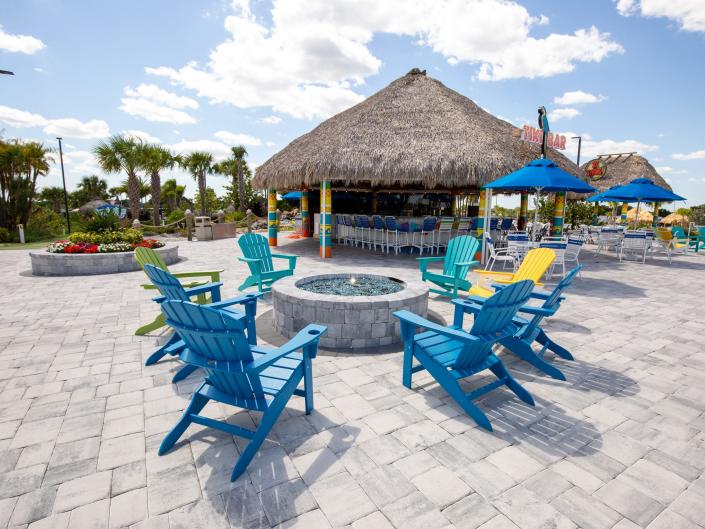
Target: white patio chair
(559,248)
(396,238)
(571,256)
(498,254)
(424,239)
(634,243)
(379,233)
(609,239)
(667,243)
(444,233)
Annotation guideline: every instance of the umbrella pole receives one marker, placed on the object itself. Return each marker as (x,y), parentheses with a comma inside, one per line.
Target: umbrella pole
(536,213)
(636,217)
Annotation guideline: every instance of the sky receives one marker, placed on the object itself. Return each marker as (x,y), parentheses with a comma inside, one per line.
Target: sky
(626,75)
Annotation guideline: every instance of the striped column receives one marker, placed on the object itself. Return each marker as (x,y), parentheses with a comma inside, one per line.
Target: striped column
(558,214)
(623,213)
(324,223)
(523,210)
(481,217)
(272,217)
(305,216)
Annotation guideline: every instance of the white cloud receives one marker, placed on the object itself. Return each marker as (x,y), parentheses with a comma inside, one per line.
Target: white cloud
(142,135)
(577,97)
(695,155)
(591,147)
(270,120)
(216,148)
(67,127)
(81,163)
(152,103)
(689,14)
(308,60)
(563,113)
(237,138)
(20,43)
(665,169)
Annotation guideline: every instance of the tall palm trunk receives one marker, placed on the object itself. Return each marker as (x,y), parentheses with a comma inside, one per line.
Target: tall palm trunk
(133,194)
(202,192)
(241,186)
(156,190)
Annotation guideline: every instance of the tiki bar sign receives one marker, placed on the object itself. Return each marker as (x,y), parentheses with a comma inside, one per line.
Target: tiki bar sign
(535,135)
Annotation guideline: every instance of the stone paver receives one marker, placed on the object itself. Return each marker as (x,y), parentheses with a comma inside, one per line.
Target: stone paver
(620,444)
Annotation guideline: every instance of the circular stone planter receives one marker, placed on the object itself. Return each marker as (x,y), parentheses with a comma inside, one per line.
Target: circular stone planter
(67,264)
(354,322)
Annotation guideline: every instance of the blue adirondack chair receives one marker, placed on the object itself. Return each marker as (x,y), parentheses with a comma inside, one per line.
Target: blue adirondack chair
(528,331)
(459,258)
(258,256)
(171,288)
(238,373)
(450,354)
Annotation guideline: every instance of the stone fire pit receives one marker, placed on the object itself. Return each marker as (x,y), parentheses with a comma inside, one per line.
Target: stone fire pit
(354,321)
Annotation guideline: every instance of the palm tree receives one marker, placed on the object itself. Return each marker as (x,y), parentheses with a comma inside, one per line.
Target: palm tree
(239,153)
(199,164)
(155,158)
(92,188)
(53,198)
(172,193)
(122,153)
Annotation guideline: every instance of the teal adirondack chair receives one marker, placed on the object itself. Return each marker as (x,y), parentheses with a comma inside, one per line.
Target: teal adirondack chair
(528,331)
(456,263)
(238,373)
(171,288)
(258,256)
(450,354)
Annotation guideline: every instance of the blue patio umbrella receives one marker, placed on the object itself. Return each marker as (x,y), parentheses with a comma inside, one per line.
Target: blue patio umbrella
(638,190)
(541,175)
(292,195)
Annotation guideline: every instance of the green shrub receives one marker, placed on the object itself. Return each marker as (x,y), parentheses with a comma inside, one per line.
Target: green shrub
(102,222)
(44,224)
(235,216)
(5,235)
(175,215)
(108,237)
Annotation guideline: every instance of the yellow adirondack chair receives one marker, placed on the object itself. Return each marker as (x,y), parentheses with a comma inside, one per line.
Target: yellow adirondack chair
(145,256)
(533,267)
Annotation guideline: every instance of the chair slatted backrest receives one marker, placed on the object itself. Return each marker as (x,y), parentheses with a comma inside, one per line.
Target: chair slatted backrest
(574,245)
(429,224)
(168,286)
(535,264)
(493,320)
(553,300)
(391,223)
(378,222)
(460,250)
(490,244)
(255,246)
(217,335)
(145,256)
(634,239)
(364,221)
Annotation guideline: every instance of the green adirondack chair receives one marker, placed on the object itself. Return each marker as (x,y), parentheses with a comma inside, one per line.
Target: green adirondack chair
(258,256)
(148,256)
(456,263)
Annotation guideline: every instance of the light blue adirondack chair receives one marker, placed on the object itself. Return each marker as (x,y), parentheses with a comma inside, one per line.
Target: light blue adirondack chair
(528,331)
(459,258)
(171,288)
(238,373)
(450,354)
(258,256)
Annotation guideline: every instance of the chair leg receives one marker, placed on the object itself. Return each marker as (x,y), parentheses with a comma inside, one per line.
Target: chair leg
(408,362)
(526,353)
(198,401)
(183,373)
(162,351)
(269,418)
(156,324)
(561,351)
(502,373)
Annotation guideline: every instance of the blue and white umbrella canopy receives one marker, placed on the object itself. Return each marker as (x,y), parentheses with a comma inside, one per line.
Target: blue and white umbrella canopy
(541,175)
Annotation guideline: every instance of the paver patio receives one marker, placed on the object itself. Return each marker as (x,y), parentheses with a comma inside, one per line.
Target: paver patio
(620,444)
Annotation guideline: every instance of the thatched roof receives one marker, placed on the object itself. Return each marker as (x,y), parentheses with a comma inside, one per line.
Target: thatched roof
(623,169)
(414,132)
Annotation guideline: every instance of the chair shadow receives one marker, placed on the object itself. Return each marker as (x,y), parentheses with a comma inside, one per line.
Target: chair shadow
(566,326)
(606,288)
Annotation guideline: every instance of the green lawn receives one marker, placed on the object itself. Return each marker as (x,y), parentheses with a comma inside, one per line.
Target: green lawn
(26,246)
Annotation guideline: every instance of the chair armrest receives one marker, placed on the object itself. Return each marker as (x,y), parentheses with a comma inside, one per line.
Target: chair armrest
(213,288)
(417,321)
(468,263)
(537,311)
(247,298)
(291,258)
(148,286)
(307,336)
(462,307)
(430,259)
(214,275)
(256,262)
(494,273)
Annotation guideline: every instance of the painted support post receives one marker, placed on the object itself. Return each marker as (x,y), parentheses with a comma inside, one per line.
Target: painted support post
(481,216)
(656,217)
(272,217)
(325,239)
(623,213)
(453,204)
(558,214)
(523,210)
(305,215)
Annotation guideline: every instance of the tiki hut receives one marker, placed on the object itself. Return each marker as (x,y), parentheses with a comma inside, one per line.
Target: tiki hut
(620,169)
(415,133)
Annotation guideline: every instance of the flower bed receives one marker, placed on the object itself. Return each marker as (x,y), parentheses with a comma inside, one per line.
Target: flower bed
(81,247)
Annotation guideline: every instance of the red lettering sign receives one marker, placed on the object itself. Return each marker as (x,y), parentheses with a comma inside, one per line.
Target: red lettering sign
(535,135)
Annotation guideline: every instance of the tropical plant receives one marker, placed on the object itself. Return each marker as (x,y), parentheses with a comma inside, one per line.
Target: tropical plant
(210,200)
(697,215)
(122,153)
(153,160)
(21,164)
(579,212)
(236,167)
(90,188)
(199,164)
(52,198)
(173,194)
